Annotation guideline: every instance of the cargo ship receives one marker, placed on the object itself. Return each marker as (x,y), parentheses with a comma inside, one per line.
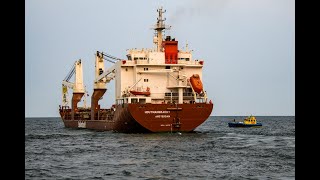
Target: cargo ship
(158,89)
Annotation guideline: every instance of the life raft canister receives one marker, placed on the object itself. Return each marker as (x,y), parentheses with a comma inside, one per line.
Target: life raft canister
(196,83)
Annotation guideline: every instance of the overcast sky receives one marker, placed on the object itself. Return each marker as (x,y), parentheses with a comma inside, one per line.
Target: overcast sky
(248,48)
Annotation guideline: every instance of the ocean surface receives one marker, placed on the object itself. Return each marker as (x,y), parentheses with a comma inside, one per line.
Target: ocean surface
(213,151)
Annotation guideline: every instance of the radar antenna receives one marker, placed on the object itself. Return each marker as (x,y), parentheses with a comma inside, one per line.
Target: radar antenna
(159,27)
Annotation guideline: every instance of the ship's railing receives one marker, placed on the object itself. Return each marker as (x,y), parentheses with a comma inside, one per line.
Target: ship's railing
(102,114)
(161,61)
(191,62)
(186,95)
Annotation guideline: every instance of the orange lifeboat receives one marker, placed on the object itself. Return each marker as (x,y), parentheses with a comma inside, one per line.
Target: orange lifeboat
(146,93)
(196,83)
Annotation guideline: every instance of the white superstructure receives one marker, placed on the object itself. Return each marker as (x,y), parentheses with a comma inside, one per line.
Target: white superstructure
(164,71)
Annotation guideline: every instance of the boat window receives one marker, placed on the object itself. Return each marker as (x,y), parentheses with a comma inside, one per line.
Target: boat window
(120,101)
(129,57)
(134,100)
(135,58)
(146,80)
(167,67)
(187,59)
(142,101)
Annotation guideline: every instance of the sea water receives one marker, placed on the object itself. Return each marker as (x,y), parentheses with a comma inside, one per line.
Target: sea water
(213,151)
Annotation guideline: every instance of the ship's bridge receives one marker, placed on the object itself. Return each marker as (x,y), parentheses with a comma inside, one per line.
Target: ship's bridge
(153,57)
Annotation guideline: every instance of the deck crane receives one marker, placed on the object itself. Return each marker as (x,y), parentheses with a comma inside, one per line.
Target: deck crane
(101,79)
(77,86)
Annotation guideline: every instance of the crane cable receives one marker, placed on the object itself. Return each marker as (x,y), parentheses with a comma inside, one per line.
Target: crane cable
(70,74)
(108,57)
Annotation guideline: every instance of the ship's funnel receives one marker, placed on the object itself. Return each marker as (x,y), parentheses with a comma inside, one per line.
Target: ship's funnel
(170,50)
(96,95)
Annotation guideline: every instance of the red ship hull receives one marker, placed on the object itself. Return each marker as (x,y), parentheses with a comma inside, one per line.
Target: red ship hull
(140,118)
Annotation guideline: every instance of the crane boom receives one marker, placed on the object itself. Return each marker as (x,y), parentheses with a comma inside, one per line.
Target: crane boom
(110,72)
(68,84)
(101,79)
(77,86)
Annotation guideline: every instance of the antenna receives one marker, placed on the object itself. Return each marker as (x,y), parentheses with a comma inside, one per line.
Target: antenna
(159,27)
(187,46)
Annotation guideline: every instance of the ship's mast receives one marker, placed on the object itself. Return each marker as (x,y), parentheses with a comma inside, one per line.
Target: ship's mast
(77,86)
(102,77)
(99,87)
(159,27)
